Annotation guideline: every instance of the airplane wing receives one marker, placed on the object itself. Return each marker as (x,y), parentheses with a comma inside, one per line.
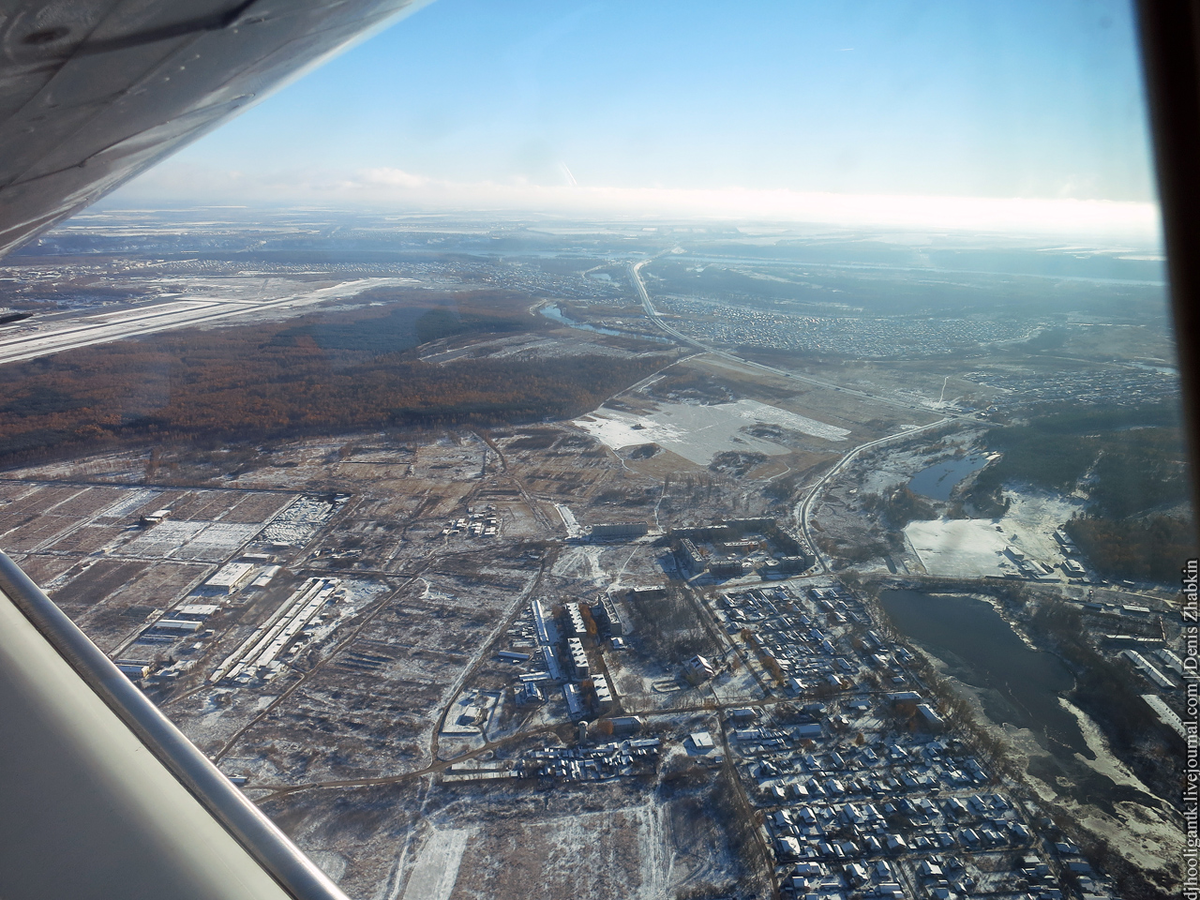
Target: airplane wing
(102,796)
(92,92)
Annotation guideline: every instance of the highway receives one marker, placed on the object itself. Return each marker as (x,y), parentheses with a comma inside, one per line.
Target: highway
(47,337)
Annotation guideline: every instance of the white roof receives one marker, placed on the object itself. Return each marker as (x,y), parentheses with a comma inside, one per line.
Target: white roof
(230,574)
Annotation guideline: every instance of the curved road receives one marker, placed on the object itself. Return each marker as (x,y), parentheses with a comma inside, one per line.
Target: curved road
(805,507)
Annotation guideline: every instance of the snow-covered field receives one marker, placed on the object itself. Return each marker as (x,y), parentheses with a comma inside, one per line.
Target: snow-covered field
(1032,517)
(183,539)
(296,523)
(764,414)
(43,338)
(698,432)
(436,869)
(130,501)
(961,547)
(976,547)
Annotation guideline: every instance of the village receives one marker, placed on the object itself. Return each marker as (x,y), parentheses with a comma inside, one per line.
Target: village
(865,791)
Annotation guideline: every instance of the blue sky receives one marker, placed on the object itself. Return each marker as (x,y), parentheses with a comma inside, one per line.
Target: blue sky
(528,102)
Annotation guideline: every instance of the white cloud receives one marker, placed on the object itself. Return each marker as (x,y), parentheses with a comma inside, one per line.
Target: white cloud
(1096,221)
(394,178)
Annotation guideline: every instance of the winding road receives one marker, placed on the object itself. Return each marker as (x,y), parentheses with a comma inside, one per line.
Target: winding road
(804,509)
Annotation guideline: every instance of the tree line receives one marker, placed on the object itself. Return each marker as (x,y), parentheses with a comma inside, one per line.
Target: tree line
(1132,464)
(323,373)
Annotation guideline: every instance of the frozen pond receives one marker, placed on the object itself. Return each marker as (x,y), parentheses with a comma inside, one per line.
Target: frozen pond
(698,433)
(939,480)
(1020,685)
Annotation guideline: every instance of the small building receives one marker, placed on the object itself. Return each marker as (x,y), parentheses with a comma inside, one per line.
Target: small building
(544,626)
(604,611)
(177,626)
(742,716)
(727,567)
(647,593)
(1172,661)
(1144,666)
(689,558)
(604,697)
(197,611)
(574,700)
(770,569)
(553,663)
(787,846)
(155,517)
(265,576)
(575,617)
(134,671)
(623,725)
(794,564)
(698,670)
(580,667)
(929,718)
(709,533)
(701,740)
(529,694)
(1131,640)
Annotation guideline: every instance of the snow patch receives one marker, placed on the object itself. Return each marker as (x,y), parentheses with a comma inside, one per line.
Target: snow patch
(437,864)
(699,432)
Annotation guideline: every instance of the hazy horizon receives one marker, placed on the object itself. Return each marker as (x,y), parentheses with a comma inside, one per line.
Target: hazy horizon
(1025,117)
